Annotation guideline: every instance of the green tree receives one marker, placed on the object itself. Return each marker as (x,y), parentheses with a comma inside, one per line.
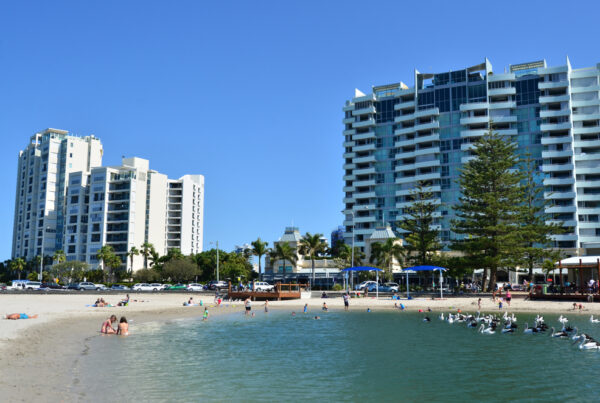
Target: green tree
(17,265)
(146,251)
(283,251)
(385,253)
(535,233)
(59,256)
(147,276)
(180,270)
(70,271)
(490,205)
(172,254)
(259,249)
(235,265)
(421,238)
(132,253)
(343,256)
(311,246)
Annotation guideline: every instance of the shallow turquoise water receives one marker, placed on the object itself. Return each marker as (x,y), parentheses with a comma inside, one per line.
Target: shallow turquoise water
(387,356)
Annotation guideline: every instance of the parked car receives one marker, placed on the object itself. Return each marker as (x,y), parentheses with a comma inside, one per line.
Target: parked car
(100,287)
(263,286)
(33,285)
(158,286)
(389,287)
(196,287)
(147,287)
(2,287)
(51,286)
(174,287)
(86,285)
(364,284)
(119,287)
(217,285)
(18,284)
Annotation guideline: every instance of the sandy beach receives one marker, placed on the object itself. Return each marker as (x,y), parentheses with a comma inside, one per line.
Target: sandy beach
(38,357)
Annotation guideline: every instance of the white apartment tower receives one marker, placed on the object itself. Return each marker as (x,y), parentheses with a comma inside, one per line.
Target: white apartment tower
(44,166)
(128,205)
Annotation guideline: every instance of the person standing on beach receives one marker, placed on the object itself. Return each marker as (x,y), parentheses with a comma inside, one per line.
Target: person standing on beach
(305,308)
(107,327)
(508,298)
(267,306)
(205,316)
(479,304)
(346,301)
(248,305)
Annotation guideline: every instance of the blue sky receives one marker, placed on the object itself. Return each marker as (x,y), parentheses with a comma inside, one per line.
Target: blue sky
(248,94)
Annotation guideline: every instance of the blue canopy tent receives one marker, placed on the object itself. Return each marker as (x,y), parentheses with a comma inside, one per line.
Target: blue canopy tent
(365,268)
(427,268)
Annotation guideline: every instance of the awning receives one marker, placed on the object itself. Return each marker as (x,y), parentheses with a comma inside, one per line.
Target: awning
(425,268)
(361,268)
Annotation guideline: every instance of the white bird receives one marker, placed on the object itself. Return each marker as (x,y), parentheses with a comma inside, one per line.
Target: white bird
(563,319)
(589,345)
(529,330)
(450,318)
(508,330)
(442,316)
(484,330)
(576,336)
(513,318)
(594,320)
(559,334)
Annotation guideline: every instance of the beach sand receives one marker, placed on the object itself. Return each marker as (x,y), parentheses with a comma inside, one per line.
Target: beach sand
(38,357)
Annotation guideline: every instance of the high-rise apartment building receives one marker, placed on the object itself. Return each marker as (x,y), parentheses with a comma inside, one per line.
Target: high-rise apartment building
(43,169)
(128,205)
(398,135)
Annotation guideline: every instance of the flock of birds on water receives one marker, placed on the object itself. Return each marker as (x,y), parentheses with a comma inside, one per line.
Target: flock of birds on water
(489,324)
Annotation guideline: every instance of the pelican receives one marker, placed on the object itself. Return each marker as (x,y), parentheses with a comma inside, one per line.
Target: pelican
(426,319)
(589,345)
(450,318)
(594,320)
(472,323)
(513,318)
(484,330)
(508,330)
(529,330)
(567,329)
(559,334)
(576,336)
(442,316)
(563,319)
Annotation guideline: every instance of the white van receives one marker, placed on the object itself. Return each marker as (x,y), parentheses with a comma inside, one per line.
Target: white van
(19,285)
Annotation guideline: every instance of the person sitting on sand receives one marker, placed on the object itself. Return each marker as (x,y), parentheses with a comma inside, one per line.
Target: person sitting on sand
(107,325)
(123,328)
(16,316)
(124,302)
(191,301)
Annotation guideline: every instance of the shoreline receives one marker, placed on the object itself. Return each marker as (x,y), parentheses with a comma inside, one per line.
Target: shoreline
(39,357)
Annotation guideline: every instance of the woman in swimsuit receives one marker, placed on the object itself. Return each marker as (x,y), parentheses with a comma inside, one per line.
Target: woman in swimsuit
(15,316)
(123,328)
(107,325)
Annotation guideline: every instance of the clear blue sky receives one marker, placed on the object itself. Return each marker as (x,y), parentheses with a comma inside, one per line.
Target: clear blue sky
(247,93)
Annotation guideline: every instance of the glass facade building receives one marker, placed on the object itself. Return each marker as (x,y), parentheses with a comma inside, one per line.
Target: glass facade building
(398,135)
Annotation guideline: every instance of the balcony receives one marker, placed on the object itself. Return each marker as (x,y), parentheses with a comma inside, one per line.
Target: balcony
(554,98)
(587,157)
(504,119)
(575,90)
(362,160)
(363,111)
(588,197)
(586,130)
(587,184)
(364,136)
(559,195)
(369,182)
(368,218)
(556,140)
(348,121)
(404,192)
(421,151)
(418,114)
(502,91)
(473,106)
(557,167)
(404,105)
(418,139)
(422,164)
(364,123)
(364,171)
(587,170)
(568,223)
(555,113)
(558,181)
(553,84)
(547,127)
(365,195)
(473,133)
(560,209)
(474,120)
(589,116)
(556,154)
(364,147)
(565,237)
(416,178)
(503,105)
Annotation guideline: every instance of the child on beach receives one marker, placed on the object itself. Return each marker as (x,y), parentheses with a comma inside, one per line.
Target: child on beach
(499,303)
(325,307)
(267,306)
(205,316)
(305,308)
(479,304)
(123,328)
(107,327)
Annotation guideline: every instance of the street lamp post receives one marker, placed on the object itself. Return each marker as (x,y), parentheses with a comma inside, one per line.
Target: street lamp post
(217,244)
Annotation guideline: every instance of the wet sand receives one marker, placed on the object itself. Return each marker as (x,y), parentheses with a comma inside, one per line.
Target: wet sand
(38,357)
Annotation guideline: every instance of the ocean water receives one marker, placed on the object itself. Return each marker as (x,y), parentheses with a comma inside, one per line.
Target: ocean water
(354,356)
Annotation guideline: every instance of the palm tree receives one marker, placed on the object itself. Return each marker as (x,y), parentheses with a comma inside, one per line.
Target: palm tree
(283,251)
(147,247)
(259,248)
(105,255)
(385,254)
(59,256)
(311,246)
(132,252)
(154,257)
(17,265)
